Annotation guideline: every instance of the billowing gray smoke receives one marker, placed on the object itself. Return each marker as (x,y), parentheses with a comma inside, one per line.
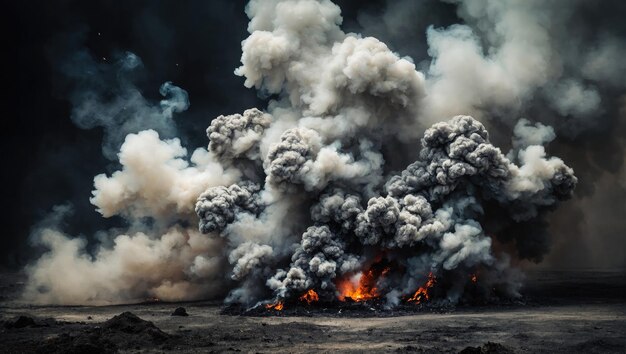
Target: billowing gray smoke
(430,213)
(360,161)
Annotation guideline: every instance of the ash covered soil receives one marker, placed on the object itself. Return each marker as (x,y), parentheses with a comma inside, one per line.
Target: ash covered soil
(581,312)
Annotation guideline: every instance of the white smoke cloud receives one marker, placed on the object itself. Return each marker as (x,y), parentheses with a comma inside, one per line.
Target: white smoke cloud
(179,264)
(156,180)
(525,134)
(156,260)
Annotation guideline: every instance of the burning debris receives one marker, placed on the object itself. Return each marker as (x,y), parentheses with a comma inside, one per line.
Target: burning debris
(365,287)
(309,297)
(342,191)
(277,306)
(422,293)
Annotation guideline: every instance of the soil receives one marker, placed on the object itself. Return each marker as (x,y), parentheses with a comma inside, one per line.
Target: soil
(561,312)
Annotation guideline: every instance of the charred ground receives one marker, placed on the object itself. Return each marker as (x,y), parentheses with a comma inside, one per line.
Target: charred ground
(583,311)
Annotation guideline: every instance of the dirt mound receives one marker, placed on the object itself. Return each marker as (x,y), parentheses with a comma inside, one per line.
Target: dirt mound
(27,322)
(180,311)
(127,322)
(20,322)
(124,331)
(420,350)
(487,348)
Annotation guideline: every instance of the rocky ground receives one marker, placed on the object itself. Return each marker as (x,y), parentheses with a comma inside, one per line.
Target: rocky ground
(568,312)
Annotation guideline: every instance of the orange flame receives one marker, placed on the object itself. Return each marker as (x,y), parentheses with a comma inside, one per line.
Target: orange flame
(310,296)
(422,293)
(474,278)
(366,289)
(277,306)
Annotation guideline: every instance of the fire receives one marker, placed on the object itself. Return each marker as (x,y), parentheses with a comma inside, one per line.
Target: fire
(422,293)
(277,306)
(474,278)
(366,289)
(310,297)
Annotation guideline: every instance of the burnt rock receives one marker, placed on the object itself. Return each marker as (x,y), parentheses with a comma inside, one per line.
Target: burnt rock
(348,308)
(180,311)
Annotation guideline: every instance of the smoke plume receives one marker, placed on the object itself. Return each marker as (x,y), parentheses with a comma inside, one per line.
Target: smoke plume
(360,162)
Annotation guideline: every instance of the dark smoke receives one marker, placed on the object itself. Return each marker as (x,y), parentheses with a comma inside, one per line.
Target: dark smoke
(577,48)
(430,215)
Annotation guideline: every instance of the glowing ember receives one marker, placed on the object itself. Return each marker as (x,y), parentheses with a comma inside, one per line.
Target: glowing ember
(474,278)
(365,289)
(422,293)
(310,296)
(277,306)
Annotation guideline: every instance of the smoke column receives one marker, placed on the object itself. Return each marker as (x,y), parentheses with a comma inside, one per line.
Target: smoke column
(360,157)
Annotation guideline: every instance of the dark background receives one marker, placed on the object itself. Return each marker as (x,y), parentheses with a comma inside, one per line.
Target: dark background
(47,160)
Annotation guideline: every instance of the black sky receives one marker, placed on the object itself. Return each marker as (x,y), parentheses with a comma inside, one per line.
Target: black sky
(47,159)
